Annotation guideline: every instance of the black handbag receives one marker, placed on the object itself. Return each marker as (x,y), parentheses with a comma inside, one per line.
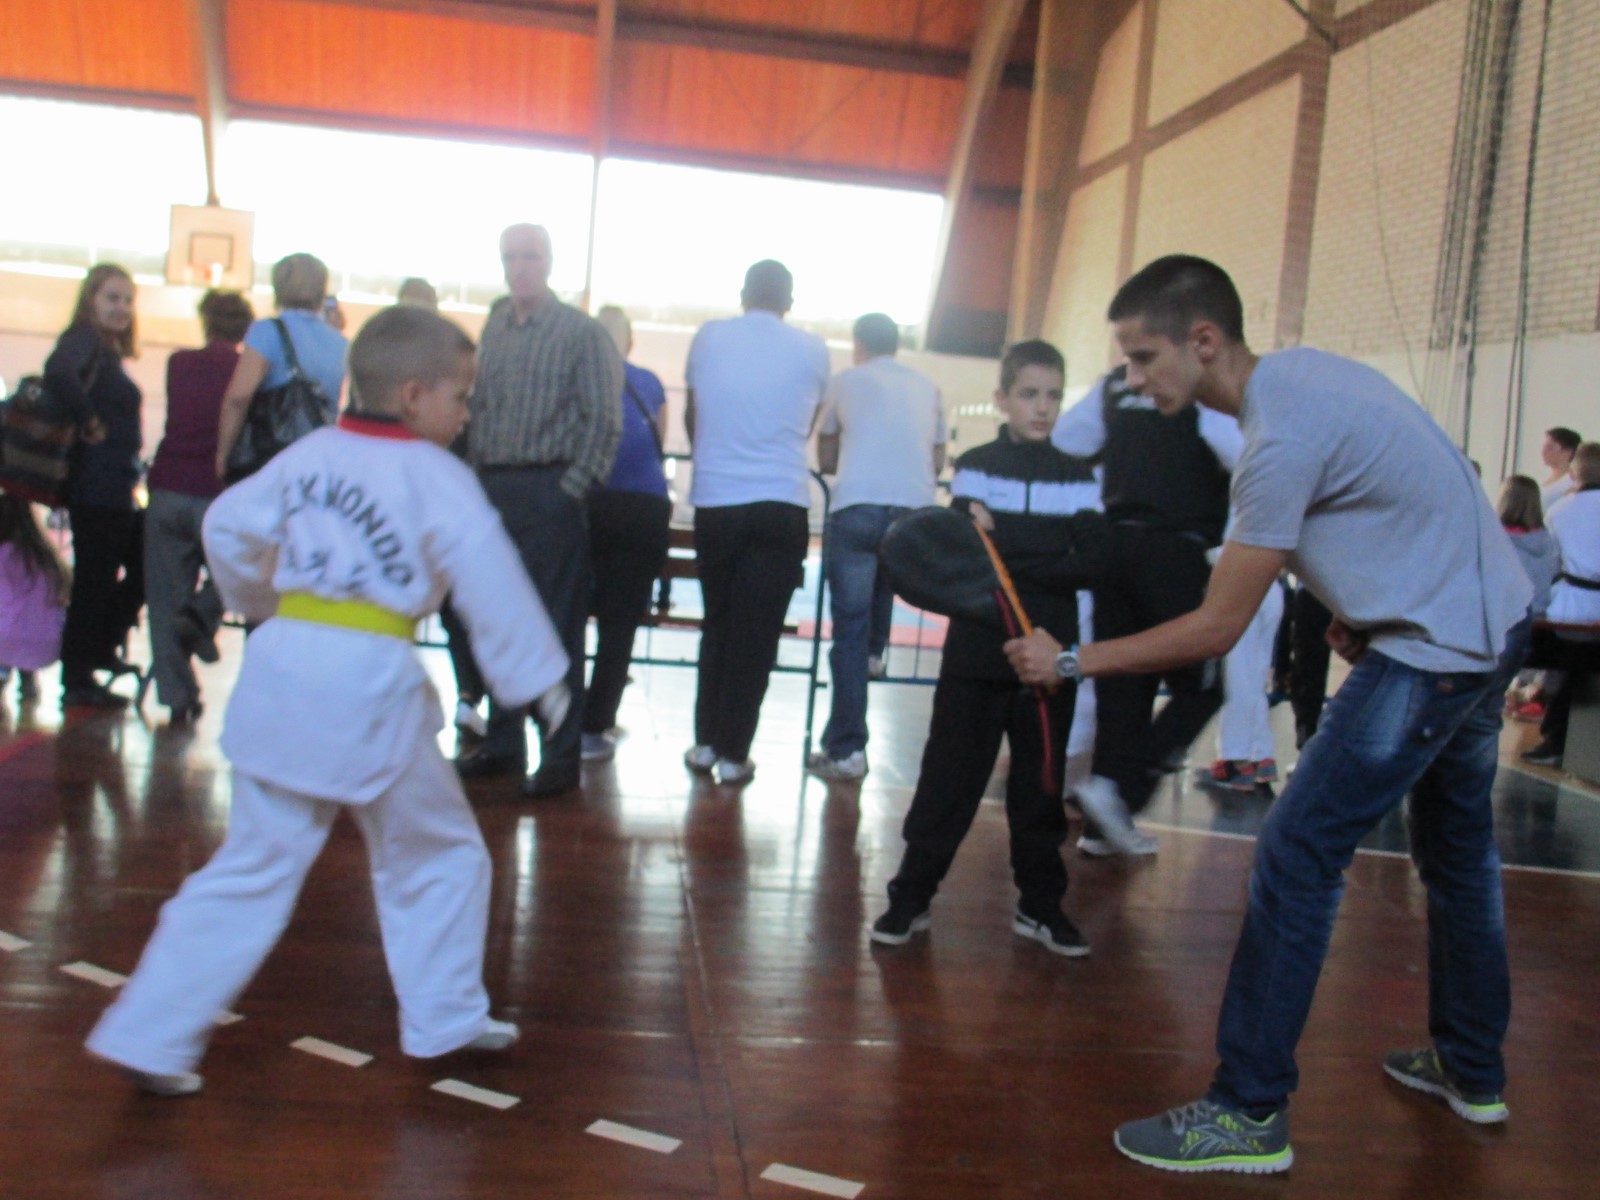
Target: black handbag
(37,434)
(278,416)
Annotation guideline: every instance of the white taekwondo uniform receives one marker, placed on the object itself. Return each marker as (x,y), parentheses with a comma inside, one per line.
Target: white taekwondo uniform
(350,536)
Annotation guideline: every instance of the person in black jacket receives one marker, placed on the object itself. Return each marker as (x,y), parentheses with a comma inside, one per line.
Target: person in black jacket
(1022,490)
(85,373)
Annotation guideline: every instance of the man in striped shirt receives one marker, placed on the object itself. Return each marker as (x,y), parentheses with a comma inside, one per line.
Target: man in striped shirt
(546,418)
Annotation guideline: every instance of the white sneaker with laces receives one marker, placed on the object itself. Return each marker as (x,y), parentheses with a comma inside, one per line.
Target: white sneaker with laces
(700,759)
(851,767)
(497,1035)
(1102,804)
(729,772)
(1100,848)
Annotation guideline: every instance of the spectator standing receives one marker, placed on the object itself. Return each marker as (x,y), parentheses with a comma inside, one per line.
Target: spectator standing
(546,419)
(883,437)
(299,288)
(84,371)
(628,520)
(755,385)
(183,481)
(1560,444)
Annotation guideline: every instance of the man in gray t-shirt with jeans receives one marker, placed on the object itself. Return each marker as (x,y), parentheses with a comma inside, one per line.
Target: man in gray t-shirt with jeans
(1347,482)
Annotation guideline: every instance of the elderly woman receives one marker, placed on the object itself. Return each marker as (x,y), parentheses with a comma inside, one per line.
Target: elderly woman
(299,287)
(85,372)
(183,481)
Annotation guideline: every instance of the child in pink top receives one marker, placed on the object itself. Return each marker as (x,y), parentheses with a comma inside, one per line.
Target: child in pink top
(33,594)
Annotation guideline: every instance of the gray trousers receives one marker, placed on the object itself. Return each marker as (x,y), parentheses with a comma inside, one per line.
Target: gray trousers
(173,556)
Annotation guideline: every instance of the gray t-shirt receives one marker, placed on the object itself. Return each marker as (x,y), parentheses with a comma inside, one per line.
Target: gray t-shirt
(1384,520)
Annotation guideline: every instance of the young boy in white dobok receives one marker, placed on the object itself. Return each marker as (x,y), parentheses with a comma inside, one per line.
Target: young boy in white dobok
(339,546)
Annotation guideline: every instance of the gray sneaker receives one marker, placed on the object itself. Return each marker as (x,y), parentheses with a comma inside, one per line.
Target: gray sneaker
(1422,1070)
(1103,805)
(851,767)
(1207,1136)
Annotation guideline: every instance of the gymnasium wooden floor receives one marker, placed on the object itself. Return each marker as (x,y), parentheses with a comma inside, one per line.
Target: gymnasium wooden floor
(691,962)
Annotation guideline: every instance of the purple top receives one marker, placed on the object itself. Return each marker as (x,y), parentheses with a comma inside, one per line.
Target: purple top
(186,459)
(31,614)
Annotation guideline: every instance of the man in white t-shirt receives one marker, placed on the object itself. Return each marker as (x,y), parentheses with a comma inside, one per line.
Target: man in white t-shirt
(754,388)
(882,436)
(1556,453)
(1347,482)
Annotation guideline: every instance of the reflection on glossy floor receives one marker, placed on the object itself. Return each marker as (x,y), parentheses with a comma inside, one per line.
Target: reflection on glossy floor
(691,962)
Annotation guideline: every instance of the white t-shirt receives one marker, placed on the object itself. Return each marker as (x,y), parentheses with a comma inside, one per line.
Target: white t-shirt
(1575,521)
(1552,493)
(890,418)
(1384,520)
(757,383)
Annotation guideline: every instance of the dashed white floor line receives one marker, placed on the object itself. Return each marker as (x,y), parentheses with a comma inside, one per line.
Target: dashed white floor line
(824,1185)
(478,1095)
(94,974)
(342,1055)
(630,1136)
(11,943)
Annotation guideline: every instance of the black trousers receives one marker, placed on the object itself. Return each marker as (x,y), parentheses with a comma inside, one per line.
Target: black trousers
(550,530)
(627,545)
(107,589)
(1308,674)
(750,558)
(969,718)
(1155,576)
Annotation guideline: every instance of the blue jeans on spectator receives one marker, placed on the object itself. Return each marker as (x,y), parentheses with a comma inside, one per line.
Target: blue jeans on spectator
(860,603)
(1391,729)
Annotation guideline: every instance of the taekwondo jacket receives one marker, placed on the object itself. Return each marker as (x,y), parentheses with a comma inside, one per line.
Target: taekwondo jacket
(364,511)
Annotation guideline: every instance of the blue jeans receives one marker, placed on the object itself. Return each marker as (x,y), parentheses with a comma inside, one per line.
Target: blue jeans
(860,600)
(1390,730)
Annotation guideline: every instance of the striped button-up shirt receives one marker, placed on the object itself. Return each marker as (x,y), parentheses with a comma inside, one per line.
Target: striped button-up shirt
(549,390)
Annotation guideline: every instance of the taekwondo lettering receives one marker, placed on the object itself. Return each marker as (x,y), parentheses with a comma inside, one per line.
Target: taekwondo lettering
(348,500)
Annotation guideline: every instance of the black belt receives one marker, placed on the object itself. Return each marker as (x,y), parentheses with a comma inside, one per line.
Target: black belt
(1588,585)
(493,468)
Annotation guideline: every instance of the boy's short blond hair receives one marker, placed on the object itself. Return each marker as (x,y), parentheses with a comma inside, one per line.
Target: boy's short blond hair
(1586,464)
(398,345)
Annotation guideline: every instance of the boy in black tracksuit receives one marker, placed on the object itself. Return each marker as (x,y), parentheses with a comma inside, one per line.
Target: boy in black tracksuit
(1025,489)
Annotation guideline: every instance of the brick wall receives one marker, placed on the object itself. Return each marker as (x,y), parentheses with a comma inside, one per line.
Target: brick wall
(1109,122)
(1202,44)
(1076,317)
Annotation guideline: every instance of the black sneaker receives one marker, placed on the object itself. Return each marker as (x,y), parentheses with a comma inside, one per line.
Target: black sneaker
(1543,755)
(1059,934)
(897,925)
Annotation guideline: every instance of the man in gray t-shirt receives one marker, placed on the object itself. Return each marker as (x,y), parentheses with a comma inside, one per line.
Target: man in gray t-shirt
(1347,482)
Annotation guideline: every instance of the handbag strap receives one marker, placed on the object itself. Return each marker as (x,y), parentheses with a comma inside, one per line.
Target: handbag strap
(288,349)
(655,433)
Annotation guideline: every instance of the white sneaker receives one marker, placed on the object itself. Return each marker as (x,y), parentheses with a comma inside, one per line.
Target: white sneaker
(1100,848)
(731,773)
(700,759)
(847,769)
(186,1084)
(469,718)
(1102,804)
(497,1035)
(877,667)
(598,747)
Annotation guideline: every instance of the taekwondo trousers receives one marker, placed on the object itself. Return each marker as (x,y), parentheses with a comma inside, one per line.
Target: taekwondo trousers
(1245,730)
(430,876)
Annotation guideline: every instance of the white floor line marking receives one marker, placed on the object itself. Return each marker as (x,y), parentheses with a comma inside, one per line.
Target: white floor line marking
(826,1185)
(478,1095)
(630,1136)
(342,1055)
(11,942)
(228,1018)
(94,974)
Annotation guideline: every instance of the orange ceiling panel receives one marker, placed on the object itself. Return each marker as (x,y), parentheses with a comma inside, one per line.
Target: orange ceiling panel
(683,102)
(941,24)
(409,69)
(138,46)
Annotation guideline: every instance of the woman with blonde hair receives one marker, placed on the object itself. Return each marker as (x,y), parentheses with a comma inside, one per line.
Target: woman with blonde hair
(299,287)
(85,372)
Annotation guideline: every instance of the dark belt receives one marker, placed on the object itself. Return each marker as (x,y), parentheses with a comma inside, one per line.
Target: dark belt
(495,468)
(1588,585)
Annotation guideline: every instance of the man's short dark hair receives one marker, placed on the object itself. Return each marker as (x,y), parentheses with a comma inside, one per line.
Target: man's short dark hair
(877,333)
(1170,294)
(1032,353)
(769,285)
(225,316)
(1568,439)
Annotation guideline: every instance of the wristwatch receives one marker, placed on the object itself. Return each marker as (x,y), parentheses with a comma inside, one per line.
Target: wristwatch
(1067,664)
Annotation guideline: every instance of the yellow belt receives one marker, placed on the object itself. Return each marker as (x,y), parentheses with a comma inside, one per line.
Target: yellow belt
(347,614)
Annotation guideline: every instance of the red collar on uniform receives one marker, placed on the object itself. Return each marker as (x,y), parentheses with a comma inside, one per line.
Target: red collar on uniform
(369,425)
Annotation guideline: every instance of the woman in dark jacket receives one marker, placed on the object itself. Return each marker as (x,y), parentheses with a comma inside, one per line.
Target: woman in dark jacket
(85,372)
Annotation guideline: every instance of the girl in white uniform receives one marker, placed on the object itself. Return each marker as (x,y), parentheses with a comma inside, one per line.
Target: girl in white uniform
(340,545)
